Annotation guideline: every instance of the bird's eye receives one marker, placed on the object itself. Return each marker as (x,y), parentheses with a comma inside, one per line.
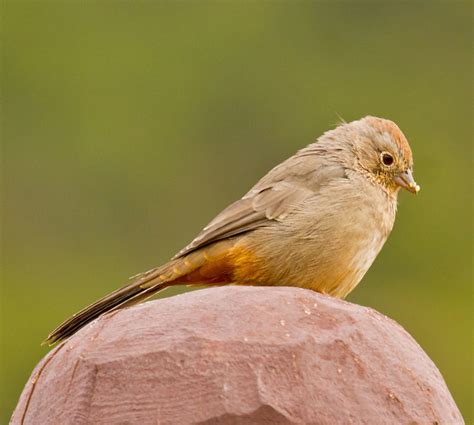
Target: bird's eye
(387,159)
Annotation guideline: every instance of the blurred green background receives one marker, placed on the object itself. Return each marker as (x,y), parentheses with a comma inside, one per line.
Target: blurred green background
(128,125)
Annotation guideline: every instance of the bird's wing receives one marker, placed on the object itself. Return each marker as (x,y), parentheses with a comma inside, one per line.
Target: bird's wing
(250,212)
(271,199)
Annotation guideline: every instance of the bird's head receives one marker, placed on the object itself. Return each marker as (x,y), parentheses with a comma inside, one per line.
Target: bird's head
(382,154)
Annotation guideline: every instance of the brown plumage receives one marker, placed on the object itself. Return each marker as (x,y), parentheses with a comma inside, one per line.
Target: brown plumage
(317,221)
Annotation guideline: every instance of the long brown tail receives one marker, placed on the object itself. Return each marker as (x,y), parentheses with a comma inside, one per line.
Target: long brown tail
(128,295)
(206,266)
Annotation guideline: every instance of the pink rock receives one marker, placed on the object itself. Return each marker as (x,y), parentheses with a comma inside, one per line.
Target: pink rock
(239,355)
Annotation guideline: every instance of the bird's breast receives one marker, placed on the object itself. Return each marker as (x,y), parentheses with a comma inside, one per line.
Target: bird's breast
(326,245)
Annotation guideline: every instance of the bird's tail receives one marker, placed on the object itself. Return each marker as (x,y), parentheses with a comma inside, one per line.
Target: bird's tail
(128,295)
(204,266)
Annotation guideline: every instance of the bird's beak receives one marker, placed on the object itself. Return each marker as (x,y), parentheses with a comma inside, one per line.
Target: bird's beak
(407,181)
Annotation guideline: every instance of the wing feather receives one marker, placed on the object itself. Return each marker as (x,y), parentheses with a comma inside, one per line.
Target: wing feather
(271,199)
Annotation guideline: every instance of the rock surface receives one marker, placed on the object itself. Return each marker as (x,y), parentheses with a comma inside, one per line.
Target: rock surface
(239,355)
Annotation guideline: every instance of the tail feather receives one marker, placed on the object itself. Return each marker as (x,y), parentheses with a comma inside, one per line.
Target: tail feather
(205,266)
(128,295)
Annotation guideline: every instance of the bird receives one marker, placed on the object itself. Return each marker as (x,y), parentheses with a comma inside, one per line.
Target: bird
(317,221)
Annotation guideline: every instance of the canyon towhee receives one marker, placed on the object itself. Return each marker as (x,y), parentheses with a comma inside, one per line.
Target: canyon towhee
(317,221)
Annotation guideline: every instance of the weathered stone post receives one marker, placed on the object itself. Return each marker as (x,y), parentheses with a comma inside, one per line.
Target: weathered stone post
(239,355)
